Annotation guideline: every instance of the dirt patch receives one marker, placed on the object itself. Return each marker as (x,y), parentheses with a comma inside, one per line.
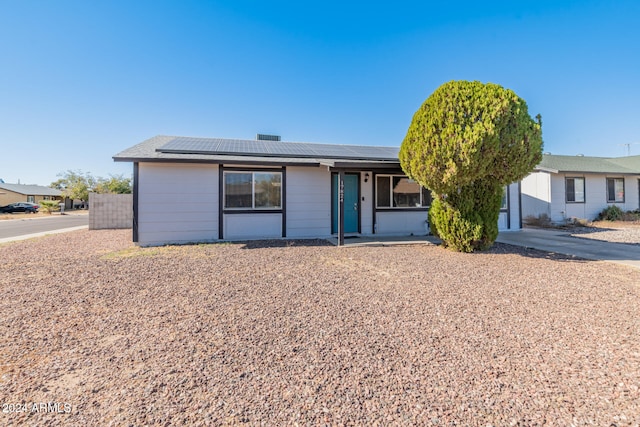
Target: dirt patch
(302,332)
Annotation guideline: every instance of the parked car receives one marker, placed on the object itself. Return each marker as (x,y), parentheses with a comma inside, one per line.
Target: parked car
(20,207)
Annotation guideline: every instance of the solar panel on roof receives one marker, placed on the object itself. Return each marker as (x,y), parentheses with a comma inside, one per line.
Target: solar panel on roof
(185,145)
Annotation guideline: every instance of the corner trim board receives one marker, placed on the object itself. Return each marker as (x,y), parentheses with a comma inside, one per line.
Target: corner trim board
(284,201)
(136,191)
(220,202)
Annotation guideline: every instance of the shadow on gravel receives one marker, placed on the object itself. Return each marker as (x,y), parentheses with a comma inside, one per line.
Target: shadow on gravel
(262,244)
(504,248)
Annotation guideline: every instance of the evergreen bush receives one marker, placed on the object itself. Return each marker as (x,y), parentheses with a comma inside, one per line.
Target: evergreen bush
(465,143)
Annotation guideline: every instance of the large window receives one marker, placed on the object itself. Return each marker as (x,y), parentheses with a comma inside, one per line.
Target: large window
(615,190)
(397,191)
(575,190)
(253,190)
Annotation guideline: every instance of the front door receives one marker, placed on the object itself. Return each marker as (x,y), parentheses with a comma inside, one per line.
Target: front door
(351,205)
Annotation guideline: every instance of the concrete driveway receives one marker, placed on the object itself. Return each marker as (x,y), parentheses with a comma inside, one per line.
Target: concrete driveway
(563,243)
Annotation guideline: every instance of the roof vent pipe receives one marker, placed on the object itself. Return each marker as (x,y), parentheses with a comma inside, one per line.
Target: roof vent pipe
(263,137)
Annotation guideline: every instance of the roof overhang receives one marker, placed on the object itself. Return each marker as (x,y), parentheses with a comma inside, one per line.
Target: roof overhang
(544,169)
(218,160)
(267,161)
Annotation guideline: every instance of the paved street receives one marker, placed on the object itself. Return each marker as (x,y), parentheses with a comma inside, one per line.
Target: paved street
(27,226)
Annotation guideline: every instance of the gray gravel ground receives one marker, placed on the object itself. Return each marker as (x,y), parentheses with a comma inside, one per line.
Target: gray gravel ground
(629,235)
(286,333)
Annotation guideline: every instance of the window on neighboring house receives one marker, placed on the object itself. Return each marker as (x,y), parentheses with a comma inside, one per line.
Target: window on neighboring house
(615,190)
(505,199)
(575,190)
(31,199)
(398,191)
(253,190)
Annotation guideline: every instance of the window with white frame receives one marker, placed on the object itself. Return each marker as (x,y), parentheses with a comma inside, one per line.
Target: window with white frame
(574,189)
(31,199)
(398,191)
(252,190)
(615,190)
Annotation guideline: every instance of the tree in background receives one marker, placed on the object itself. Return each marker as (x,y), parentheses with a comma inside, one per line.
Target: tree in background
(77,185)
(116,184)
(465,143)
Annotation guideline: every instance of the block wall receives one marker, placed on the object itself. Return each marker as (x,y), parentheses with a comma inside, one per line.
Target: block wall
(110,211)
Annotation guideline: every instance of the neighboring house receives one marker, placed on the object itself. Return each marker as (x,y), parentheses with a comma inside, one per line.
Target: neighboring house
(206,189)
(13,193)
(564,187)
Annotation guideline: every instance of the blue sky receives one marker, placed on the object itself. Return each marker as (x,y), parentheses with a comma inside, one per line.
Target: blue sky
(82,80)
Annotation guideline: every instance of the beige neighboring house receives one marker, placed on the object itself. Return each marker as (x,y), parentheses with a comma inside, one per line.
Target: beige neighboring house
(13,193)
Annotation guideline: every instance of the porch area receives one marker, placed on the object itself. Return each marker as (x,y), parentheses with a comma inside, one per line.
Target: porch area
(355,241)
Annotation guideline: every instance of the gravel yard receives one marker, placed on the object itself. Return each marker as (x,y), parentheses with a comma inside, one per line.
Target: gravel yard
(285,333)
(611,232)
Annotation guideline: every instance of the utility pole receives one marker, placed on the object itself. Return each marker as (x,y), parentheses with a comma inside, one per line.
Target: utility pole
(628,145)
(628,148)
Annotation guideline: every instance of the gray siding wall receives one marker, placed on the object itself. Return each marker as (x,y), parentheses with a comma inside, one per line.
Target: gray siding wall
(514,207)
(366,204)
(536,194)
(401,223)
(253,226)
(177,203)
(308,202)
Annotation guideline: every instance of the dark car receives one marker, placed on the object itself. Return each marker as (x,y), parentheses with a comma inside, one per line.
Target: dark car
(20,207)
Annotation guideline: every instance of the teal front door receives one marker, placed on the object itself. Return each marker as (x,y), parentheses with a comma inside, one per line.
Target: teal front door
(351,205)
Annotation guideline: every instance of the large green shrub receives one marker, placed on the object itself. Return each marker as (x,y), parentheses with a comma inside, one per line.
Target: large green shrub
(456,231)
(468,219)
(466,142)
(611,213)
